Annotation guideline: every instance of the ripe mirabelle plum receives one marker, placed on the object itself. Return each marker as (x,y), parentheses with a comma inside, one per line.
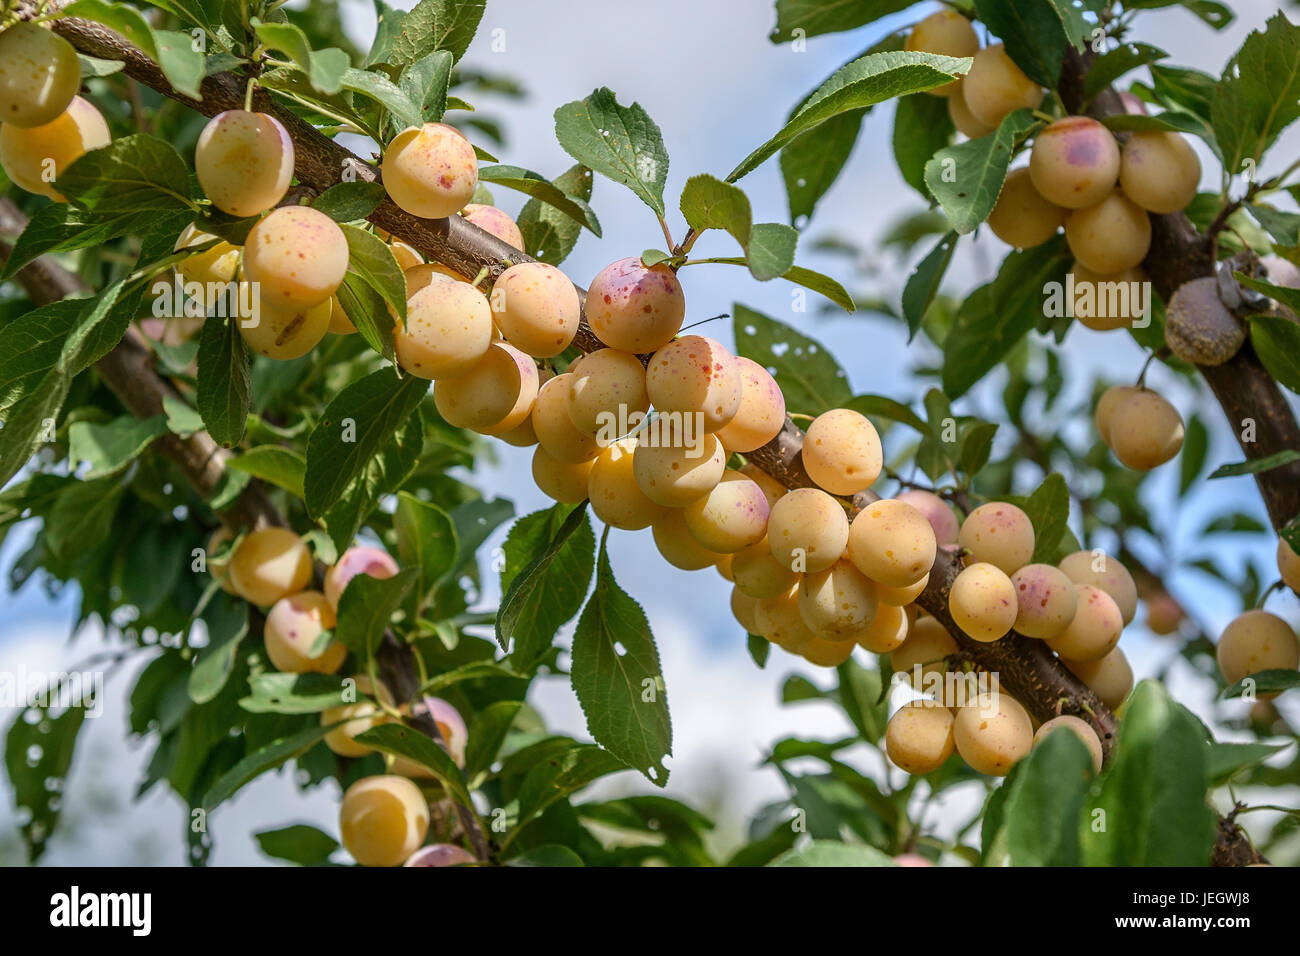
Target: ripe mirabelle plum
(430,171)
(695,374)
(1081,729)
(1288,565)
(993,733)
(293,626)
(937,511)
(892,543)
(244,162)
(286,333)
(561,480)
(807,530)
(773,490)
(383,820)
(634,307)
(451,729)
(493,220)
(758,574)
(616,498)
(983,602)
(761,413)
(946,33)
(1104,303)
(358,559)
(360,715)
(1022,217)
(1145,430)
(900,597)
(602,384)
(536,308)
(841,451)
(296,256)
(34,157)
(420,275)
(1074,162)
(524,435)
(825,653)
(217,263)
(1106,408)
(927,645)
(448,330)
(269,564)
(440,854)
(1110,678)
(1164,614)
(1159,171)
(779,621)
(724,562)
(919,738)
(1100,570)
(678,546)
(744,609)
(340,324)
(405,256)
(1257,641)
(555,429)
(1000,534)
(732,515)
(887,630)
(674,476)
(39,75)
(837,604)
(963,118)
(494,395)
(1046,600)
(995,86)
(1094,630)
(1111,236)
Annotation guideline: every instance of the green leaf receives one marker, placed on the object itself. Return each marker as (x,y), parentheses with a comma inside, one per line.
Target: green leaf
(1152,809)
(226,620)
(1049,511)
(1264,682)
(976,446)
(709,203)
(63,227)
(82,516)
(1046,795)
(225,388)
(488,728)
(385,92)
(425,81)
(181,63)
(111,446)
(548,855)
(534,184)
(922,127)
(1256,465)
(550,235)
(923,284)
(265,758)
(275,693)
(350,202)
(859,695)
(1196,445)
(301,844)
(810,378)
(426,541)
(1216,14)
(829,853)
(620,142)
(877,406)
(1033,33)
(815,17)
(436,25)
(771,250)
(410,743)
(1229,759)
(370,258)
(38,783)
(181,418)
(821,284)
(382,475)
(966,178)
(1284,227)
(352,430)
(133,174)
(1277,342)
(282,467)
(866,81)
(366,607)
(549,558)
(1113,64)
(363,304)
(811,163)
(554,779)
(1258,95)
(324,68)
(618,680)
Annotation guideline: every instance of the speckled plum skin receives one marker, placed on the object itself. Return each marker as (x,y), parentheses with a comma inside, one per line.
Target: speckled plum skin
(937,511)
(759,575)
(927,644)
(732,515)
(292,626)
(287,333)
(494,396)
(296,256)
(39,75)
(63,140)
(837,603)
(695,374)
(601,383)
(244,162)
(679,548)
(360,559)
(1095,629)
(892,543)
(1046,599)
(807,530)
(448,329)
(1075,162)
(440,854)
(536,308)
(841,451)
(1103,571)
(761,413)
(493,220)
(635,308)
(993,733)
(430,171)
(674,476)
(983,602)
(886,632)
(1000,534)
(918,738)
(561,480)
(555,429)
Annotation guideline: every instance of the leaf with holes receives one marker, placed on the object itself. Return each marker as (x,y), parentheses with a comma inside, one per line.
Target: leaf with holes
(809,376)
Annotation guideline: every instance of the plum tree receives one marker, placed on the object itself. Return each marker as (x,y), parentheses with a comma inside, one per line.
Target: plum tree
(296,257)
(1256,641)
(995,87)
(269,564)
(807,530)
(293,627)
(383,820)
(1022,217)
(841,452)
(286,333)
(773,490)
(430,171)
(616,498)
(494,395)
(761,412)
(676,475)
(999,534)
(1145,430)
(1080,728)
(837,603)
(498,223)
(358,559)
(757,573)
(1111,236)
(1045,599)
(536,308)
(927,644)
(39,75)
(448,330)
(340,324)
(602,384)
(732,515)
(966,122)
(34,156)
(892,543)
(1288,565)
(678,546)
(937,511)
(634,307)
(993,733)
(440,854)
(983,602)
(1199,328)
(1159,171)
(1103,571)
(564,481)
(1075,162)
(919,737)
(244,162)
(887,630)
(946,33)
(1105,303)
(554,427)
(695,375)
(1094,630)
